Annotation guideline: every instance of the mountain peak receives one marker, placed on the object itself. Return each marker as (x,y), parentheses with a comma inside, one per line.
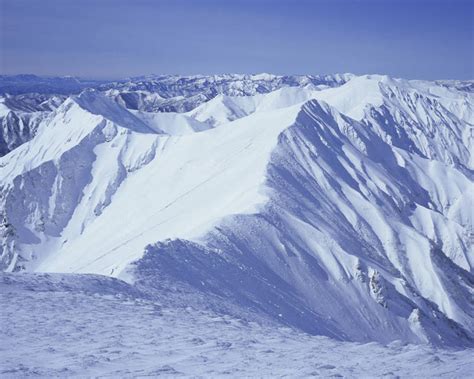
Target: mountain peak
(97,103)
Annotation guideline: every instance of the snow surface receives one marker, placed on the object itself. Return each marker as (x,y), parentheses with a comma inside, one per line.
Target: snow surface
(338,207)
(92,326)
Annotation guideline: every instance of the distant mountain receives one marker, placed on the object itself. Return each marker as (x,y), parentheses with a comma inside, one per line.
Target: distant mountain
(338,205)
(64,85)
(24,99)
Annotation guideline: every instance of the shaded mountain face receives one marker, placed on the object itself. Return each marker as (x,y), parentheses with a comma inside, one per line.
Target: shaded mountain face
(341,206)
(20,116)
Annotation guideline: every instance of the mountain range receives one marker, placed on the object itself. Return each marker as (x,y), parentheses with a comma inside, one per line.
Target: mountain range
(337,205)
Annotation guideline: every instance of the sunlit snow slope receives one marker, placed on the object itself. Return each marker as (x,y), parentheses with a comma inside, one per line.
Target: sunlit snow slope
(345,211)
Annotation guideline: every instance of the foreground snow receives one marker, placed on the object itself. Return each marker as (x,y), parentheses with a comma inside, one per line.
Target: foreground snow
(85,325)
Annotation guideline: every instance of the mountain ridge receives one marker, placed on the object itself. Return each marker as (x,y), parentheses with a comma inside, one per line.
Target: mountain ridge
(304,204)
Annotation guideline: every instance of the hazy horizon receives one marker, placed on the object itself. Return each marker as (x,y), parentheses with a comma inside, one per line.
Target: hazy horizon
(421,39)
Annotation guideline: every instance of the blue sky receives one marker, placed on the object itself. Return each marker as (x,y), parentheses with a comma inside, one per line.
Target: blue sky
(424,39)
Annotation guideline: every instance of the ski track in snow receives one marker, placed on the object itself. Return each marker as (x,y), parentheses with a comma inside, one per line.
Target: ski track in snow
(84,326)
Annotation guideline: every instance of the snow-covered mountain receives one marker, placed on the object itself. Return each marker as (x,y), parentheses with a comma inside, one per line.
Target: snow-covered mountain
(20,116)
(26,99)
(341,205)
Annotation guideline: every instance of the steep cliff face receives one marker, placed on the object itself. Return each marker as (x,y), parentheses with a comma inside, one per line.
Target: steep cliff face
(20,116)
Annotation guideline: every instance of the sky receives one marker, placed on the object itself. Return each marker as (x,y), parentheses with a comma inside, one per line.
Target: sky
(105,39)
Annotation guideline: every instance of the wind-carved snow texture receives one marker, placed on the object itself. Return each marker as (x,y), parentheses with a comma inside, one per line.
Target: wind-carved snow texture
(341,209)
(94,326)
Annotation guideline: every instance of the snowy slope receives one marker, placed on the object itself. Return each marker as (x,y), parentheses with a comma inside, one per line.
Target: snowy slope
(171,123)
(188,179)
(340,210)
(94,326)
